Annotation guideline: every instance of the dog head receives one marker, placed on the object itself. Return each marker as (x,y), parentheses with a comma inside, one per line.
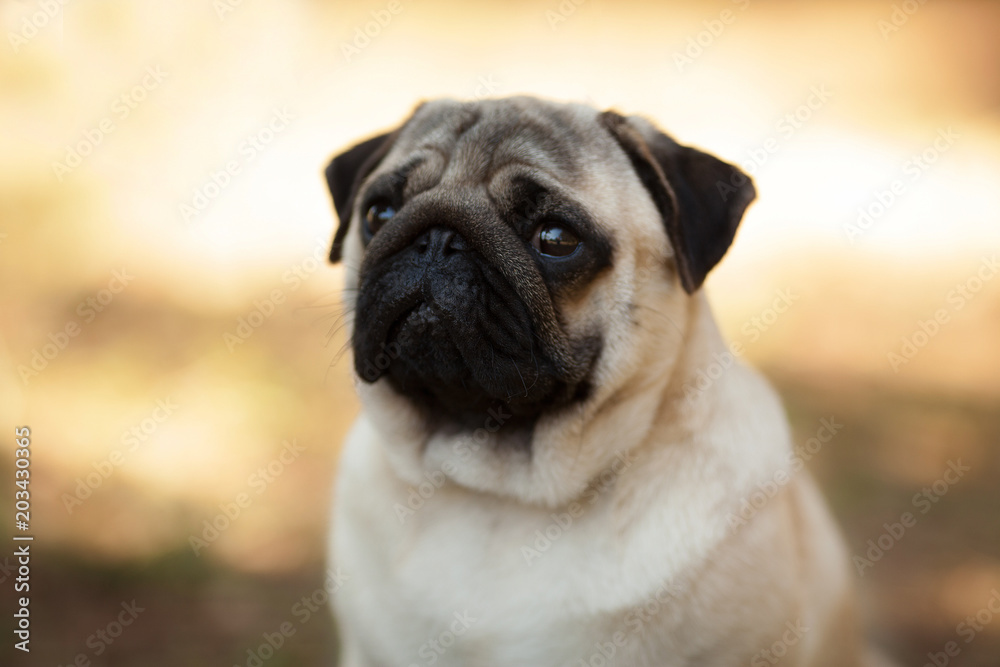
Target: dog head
(518,270)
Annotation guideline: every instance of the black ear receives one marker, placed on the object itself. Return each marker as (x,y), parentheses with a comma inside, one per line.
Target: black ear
(701,198)
(344,175)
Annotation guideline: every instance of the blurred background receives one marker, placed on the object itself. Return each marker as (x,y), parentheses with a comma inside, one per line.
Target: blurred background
(168,326)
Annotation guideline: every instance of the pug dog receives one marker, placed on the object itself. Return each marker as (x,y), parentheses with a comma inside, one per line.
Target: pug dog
(558,461)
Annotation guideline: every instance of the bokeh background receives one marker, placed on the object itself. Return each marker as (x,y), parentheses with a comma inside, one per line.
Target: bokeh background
(181,145)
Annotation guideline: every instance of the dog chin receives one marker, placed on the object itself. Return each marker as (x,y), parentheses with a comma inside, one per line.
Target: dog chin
(497,457)
(457,381)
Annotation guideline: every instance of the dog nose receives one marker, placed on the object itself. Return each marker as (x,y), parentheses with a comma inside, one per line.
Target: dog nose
(440,242)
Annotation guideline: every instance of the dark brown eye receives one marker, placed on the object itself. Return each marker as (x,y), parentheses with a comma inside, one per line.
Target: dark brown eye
(555,240)
(377,215)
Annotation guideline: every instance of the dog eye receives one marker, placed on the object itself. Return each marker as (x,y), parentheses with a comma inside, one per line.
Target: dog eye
(555,240)
(377,215)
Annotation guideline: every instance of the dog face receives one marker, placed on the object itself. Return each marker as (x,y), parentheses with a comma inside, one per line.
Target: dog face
(515,269)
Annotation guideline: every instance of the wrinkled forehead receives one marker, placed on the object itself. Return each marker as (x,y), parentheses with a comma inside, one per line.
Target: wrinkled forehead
(450,142)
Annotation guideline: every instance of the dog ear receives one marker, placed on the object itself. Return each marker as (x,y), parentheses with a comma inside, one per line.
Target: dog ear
(701,198)
(344,175)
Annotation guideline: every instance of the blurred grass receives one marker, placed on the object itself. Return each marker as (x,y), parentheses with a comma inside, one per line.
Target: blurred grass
(944,568)
(193,612)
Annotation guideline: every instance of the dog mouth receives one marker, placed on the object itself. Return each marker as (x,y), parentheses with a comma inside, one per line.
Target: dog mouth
(451,361)
(416,320)
(426,362)
(421,340)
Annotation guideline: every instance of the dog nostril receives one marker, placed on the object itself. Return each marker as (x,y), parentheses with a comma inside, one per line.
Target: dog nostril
(452,242)
(440,242)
